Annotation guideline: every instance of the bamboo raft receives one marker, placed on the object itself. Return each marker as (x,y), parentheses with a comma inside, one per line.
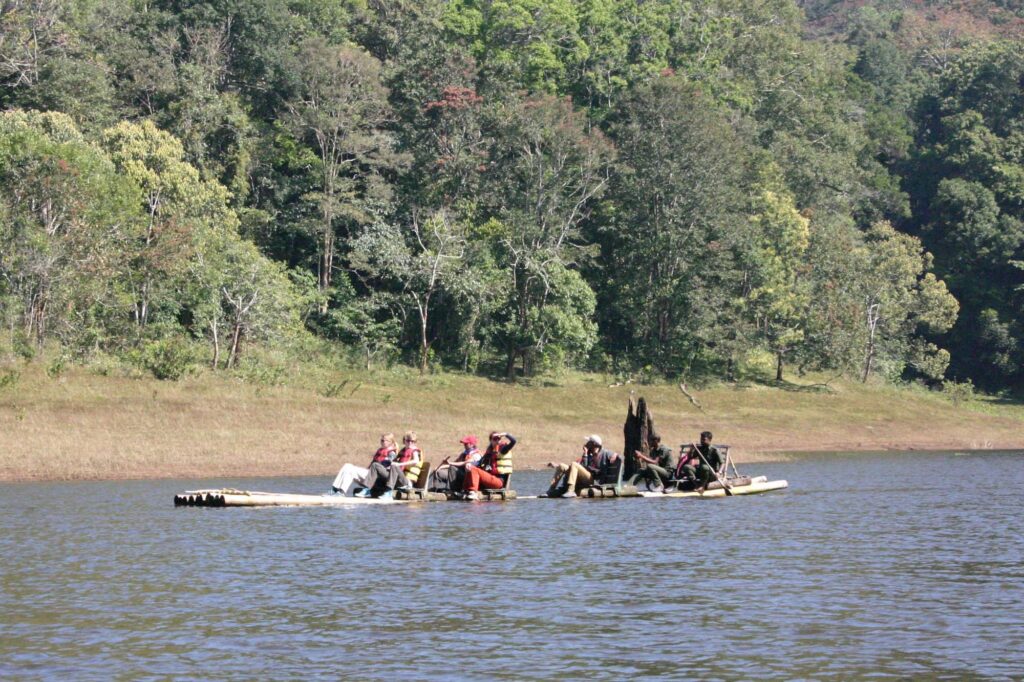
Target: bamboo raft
(639,430)
(753,486)
(230,497)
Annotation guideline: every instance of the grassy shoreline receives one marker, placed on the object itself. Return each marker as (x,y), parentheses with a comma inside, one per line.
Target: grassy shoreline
(83,426)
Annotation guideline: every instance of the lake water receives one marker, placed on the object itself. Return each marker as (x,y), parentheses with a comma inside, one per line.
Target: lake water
(897,565)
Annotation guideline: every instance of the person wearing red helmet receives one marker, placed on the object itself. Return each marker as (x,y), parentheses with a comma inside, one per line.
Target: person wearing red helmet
(450,476)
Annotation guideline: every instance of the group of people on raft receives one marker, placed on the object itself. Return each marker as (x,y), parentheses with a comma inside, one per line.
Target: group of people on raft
(472,470)
(393,469)
(697,464)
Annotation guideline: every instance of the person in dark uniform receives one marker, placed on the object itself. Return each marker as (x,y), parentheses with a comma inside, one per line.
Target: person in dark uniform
(660,466)
(704,461)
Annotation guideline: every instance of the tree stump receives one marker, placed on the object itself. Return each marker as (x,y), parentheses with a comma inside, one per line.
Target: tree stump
(638,430)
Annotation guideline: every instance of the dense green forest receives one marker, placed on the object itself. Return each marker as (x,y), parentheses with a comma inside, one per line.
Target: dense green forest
(514,186)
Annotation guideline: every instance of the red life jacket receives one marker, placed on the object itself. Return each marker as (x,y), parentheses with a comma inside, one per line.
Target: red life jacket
(383,455)
(408,454)
(689,455)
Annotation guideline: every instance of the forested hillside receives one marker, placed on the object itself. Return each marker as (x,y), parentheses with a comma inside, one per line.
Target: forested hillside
(512,186)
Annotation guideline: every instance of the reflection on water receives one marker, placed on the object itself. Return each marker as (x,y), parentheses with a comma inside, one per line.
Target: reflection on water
(893,565)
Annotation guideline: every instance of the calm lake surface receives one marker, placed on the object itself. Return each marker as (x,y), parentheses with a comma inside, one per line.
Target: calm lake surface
(892,566)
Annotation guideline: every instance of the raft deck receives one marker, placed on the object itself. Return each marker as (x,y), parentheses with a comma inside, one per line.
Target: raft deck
(759,484)
(229,497)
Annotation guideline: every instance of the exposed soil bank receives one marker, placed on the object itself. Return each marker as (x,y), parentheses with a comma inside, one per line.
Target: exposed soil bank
(84,426)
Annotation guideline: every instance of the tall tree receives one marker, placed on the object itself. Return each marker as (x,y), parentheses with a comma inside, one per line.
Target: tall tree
(968,193)
(181,210)
(66,212)
(778,299)
(670,278)
(901,298)
(546,172)
(343,111)
(421,267)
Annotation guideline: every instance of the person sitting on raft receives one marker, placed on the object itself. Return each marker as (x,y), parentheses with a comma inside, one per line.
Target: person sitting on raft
(351,476)
(383,477)
(570,479)
(699,465)
(494,467)
(661,465)
(451,475)
(378,477)
(410,458)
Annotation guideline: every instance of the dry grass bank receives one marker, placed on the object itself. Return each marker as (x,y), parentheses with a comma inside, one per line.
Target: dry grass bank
(85,426)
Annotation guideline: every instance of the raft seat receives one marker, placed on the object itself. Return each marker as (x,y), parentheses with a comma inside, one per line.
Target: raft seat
(685,484)
(503,493)
(419,486)
(611,486)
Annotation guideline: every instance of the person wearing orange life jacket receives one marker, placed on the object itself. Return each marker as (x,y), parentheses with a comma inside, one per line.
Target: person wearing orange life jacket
(494,467)
(352,477)
(410,458)
(450,476)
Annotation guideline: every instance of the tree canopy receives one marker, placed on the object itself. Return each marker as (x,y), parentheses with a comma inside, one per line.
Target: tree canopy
(514,186)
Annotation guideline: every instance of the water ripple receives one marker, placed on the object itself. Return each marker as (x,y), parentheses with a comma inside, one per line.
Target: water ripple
(869,567)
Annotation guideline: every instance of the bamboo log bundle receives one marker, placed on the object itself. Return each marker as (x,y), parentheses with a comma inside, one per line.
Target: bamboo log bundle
(229,497)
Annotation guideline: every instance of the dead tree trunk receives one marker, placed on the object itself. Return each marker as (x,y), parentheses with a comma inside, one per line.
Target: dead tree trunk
(638,431)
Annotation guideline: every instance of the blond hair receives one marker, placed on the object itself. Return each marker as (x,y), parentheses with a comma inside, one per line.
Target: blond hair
(388,438)
(410,436)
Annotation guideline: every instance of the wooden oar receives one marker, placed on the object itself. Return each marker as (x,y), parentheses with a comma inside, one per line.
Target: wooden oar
(728,493)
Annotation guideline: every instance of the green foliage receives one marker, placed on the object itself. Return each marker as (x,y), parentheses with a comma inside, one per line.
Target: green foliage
(66,211)
(959,392)
(777,300)
(669,276)
(9,378)
(262,371)
(341,109)
(531,44)
(333,389)
(968,182)
(516,186)
(57,365)
(901,298)
(169,358)
(22,346)
(548,171)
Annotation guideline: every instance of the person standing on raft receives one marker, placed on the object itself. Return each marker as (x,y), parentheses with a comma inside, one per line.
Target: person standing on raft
(704,461)
(494,467)
(661,465)
(590,467)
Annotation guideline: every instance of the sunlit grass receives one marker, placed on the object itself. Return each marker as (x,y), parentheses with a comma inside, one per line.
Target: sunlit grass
(309,420)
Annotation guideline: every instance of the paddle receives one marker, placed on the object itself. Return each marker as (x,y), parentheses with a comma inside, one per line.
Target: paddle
(728,493)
